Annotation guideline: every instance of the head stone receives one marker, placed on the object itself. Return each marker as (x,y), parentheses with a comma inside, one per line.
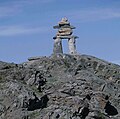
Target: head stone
(64,19)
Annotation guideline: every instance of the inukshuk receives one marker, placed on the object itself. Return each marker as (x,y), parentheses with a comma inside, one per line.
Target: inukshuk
(65,31)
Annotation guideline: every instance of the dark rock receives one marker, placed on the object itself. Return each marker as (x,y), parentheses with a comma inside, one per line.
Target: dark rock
(84,112)
(88,97)
(110,109)
(35,103)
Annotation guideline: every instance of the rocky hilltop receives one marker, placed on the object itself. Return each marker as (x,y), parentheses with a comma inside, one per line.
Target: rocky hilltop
(60,87)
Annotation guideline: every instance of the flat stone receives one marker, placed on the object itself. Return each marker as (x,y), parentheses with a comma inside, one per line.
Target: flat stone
(64,23)
(64,26)
(34,58)
(64,33)
(63,30)
(65,37)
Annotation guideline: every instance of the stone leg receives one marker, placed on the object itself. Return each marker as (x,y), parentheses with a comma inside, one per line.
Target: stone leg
(58,46)
(72,46)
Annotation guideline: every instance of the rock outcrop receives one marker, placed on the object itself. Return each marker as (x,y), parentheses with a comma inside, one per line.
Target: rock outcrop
(60,87)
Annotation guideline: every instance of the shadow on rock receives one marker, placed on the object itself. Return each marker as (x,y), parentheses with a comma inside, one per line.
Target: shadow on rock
(110,110)
(35,103)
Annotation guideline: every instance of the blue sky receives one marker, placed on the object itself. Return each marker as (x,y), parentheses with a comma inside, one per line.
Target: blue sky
(26,27)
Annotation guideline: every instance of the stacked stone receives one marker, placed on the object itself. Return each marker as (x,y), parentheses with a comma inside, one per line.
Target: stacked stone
(65,29)
(64,32)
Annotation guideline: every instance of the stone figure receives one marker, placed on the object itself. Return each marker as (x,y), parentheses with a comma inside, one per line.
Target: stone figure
(65,31)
